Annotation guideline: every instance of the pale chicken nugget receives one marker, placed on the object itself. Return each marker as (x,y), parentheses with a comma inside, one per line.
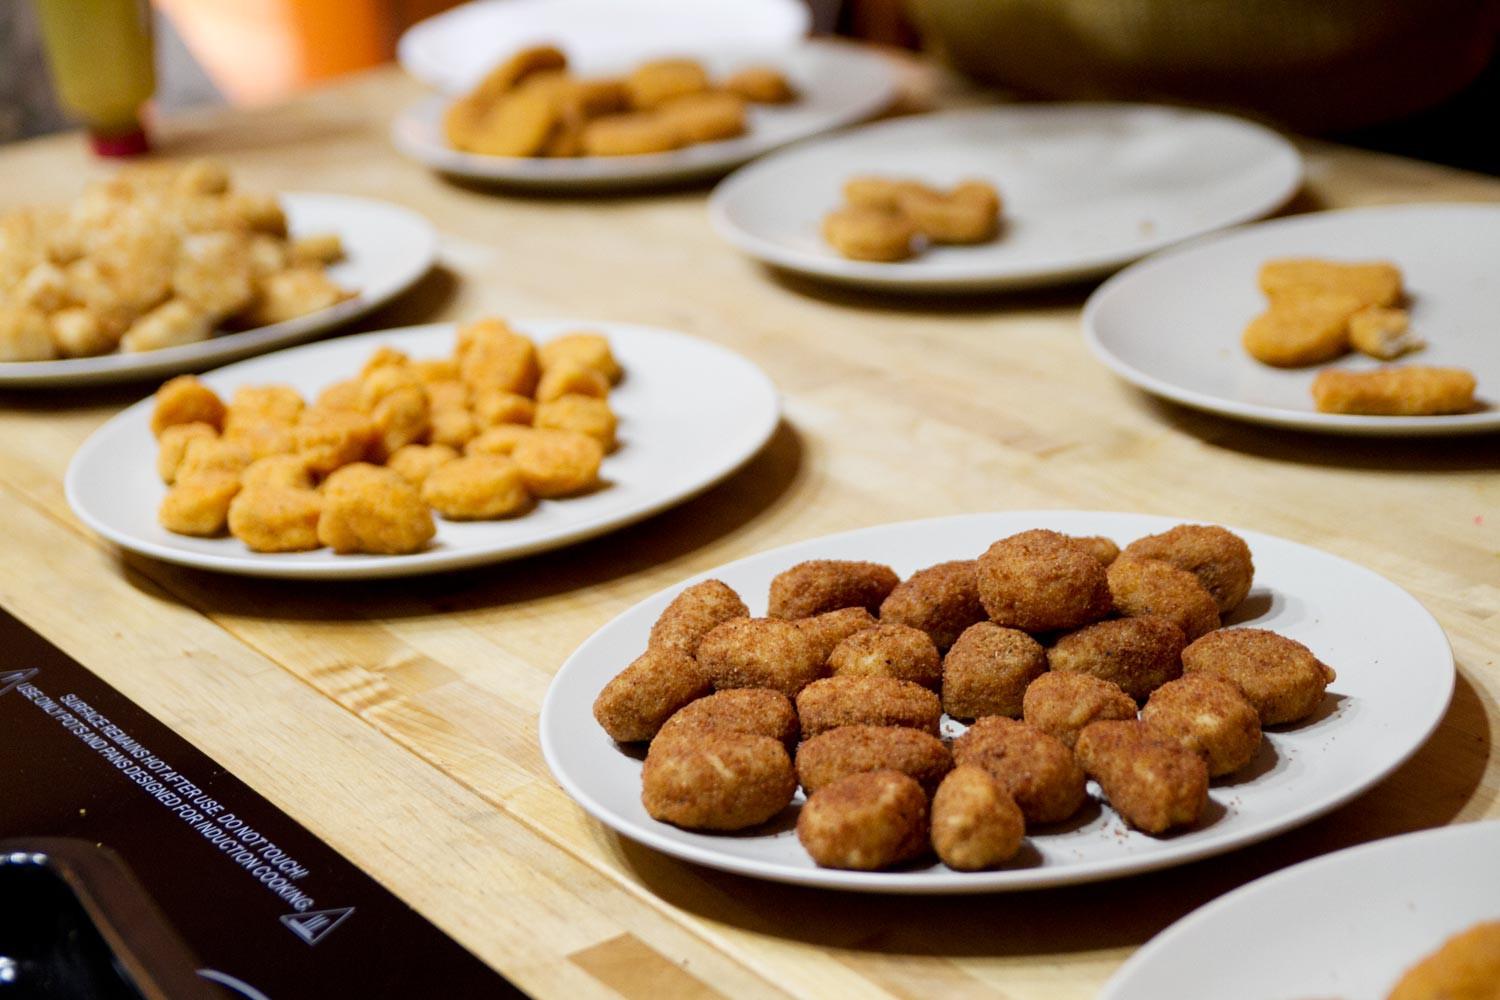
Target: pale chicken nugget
(402,417)
(199,506)
(498,440)
(694,613)
(708,116)
(761,85)
(1372,283)
(819,585)
(889,650)
(1154,786)
(653,83)
(476,488)
(941,600)
(1207,715)
(987,671)
(635,133)
(1139,654)
(636,702)
(865,822)
(571,378)
(1278,675)
(866,701)
(719,781)
(278,470)
(761,652)
(1062,703)
(276,518)
(1041,580)
(1301,330)
(1383,333)
(975,823)
(203,456)
(1466,967)
(415,462)
(1218,557)
(758,711)
(585,414)
(1396,391)
(871,234)
(847,750)
(371,509)
(492,356)
(493,407)
(585,350)
(171,446)
(1153,587)
(330,439)
(78,333)
(1038,770)
(171,324)
(833,627)
(213,272)
(288,294)
(558,463)
(968,214)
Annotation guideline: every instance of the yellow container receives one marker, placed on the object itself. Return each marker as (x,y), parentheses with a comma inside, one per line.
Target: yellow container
(102,64)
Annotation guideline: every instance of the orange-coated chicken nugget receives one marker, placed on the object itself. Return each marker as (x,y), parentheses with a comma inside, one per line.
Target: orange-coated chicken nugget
(433,370)
(415,462)
(585,350)
(708,116)
(277,470)
(493,407)
(819,585)
(1062,703)
(941,600)
(209,456)
(401,417)
(1373,283)
(571,378)
(476,488)
(371,509)
(758,711)
(510,72)
(558,463)
(254,404)
(493,356)
(761,85)
(385,378)
(330,439)
(718,781)
(865,822)
(654,83)
(866,701)
(1040,580)
(448,393)
(498,440)
(172,446)
(1466,967)
(970,213)
(988,669)
(633,706)
(261,439)
(1383,333)
(833,627)
(452,426)
(185,400)
(889,650)
(1218,557)
(1154,786)
(878,193)
(631,134)
(847,750)
(276,518)
(1207,715)
(515,124)
(761,652)
(1036,769)
(200,505)
(1301,330)
(1139,654)
(975,822)
(1395,391)
(871,234)
(694,613)
(343,395)
(1279,676)
(585,414)
(1155,587)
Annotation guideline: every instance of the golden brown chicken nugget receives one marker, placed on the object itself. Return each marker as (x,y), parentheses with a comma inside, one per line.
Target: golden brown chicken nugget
(1373,283)
(866,701)
(889,650)
(1383,333)
(759,711)
(558,463)
(585,414)
(631,134)
(1154,786)
(988,669)
(708,116)
(1207,715)
(583,350)
(1278,675)
(432,371)
(253,404)
(172,444)
(871,234)
(367,508)
(1301,330)
(941,600)
(476,488)
(847,750)
(402,417)
(1218,557)
(1062,703)
(968,214)
(1104,549)
(1041,580)
(278,470)
(1139,654)
(761,652)
(761,85)
(185,400)
(199,506)
(820,585)
(1466,967)
(330,439)
(493,407)
(493,356)
(343,395)
(833,627)
(1036,769)
(208,456)
(717,781)
(448,393)
(694,613)
(880,193)
(509,73)
(271,518)
(571,378)
(1153,587)
(865,822)
(498,440)
(654,83)
(975,823)
(1395,391)
(515,124)
(415,462)
(639,699)
(262,439)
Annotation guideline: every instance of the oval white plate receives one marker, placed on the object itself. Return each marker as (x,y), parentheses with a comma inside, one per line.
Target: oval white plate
(1172,324)
(1086,188)
(691,413)
(453,50)
(1395,675)
(386,249)
(1348,924)
(839,83)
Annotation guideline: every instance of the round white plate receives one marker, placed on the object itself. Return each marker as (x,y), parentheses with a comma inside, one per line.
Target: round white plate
(1085,187)
(1172,324)
(1395,675)
(838,83)
(1347,925)
(691,413)
(386,249)
(453,50)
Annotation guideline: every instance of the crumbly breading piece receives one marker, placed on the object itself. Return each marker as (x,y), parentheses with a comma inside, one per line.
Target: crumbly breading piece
(476,488)
(1395,391)
(870,234)
(969,213)
(415,462)
(1207,715)
(199,506)
(572,411)
(1155,587)
(556,463)
(270,518)
(582,350)
(833,627)
(171,446)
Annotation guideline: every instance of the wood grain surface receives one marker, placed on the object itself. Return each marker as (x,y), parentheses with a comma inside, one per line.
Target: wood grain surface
(398,719)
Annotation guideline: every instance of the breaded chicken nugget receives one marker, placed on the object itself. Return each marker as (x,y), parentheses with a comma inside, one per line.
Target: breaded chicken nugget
(262,439)
(1466,967)
(277,470)
(865,822)
(941,600)
(631,134)
(639,699)
(1154,786)
(820,585)
(654,83)
(493,407)
(1301,330)
(286,295)
(447,393)
(988,669)
(276,518)
(717,781)
(761,85)
(1279,676)
(758,711)
(585,414)
(558,463)
(1395,391)
(1138,654)
(342,395)
(1040,580)
(402,417)
(1218,557)
(1104,549)
(199,505)
(1062,703)
(1036,769)
(515,124)
(869,234)
(889,650)
(571,378)
(1383,333)
(866,701)
(833,627)
(975,823)
(172,445)
(415,462)
(847,750)
(493,356)
(498,440)
(582,350)
(761,652)
(432,371)
(509,73)
(330,439)
(185,400)
(1141,587)
(367,508)
(1373,283)
(206,456)
(476,488)
(708,116)
(171,324)
(254,404)
(694,613)
(879,193)
(970,213)
(1207,715)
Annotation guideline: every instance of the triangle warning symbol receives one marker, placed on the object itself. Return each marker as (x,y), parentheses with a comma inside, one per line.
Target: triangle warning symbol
(10,678)
(314,925)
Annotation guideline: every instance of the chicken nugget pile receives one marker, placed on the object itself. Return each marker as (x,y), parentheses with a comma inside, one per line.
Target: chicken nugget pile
(154,257)
(482,434)
(531,105)
(1321,310)
(890,219)
(1068,658)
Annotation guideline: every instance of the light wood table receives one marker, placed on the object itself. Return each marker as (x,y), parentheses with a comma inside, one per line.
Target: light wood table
(398,719)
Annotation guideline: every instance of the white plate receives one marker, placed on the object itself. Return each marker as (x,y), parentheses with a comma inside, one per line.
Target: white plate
(1395,675)
(1346,925)
(1172,324)
(386,249)
(690,413)
(838,83)
(1086,188)
(453,50)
